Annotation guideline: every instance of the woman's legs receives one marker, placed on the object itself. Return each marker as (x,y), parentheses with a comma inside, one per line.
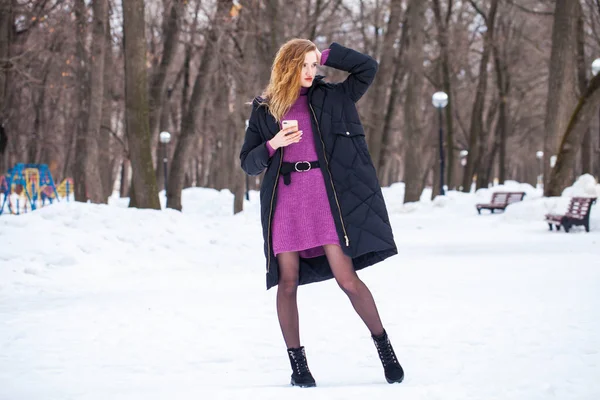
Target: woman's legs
(287,307)
(359,294)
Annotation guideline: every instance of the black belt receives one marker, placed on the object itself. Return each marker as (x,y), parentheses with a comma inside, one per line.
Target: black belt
(301,166)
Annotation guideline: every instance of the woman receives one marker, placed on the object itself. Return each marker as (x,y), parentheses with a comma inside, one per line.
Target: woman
(322,211)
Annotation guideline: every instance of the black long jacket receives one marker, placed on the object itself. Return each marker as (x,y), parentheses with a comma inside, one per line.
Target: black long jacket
(355,197)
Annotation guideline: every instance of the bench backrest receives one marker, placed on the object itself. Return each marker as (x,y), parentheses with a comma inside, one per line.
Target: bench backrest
(580,207)
(507,197)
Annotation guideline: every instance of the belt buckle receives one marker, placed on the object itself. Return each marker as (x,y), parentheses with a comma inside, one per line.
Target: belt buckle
(302,170)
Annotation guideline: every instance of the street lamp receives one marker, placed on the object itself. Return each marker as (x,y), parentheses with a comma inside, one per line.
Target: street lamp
(596,66)
(463,157)
(540,155)
(440,100)
(165,138)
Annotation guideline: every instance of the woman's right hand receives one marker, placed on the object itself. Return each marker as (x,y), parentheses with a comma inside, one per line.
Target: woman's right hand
(282,139)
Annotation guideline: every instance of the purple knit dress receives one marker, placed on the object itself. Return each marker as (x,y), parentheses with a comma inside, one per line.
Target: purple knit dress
(302,221)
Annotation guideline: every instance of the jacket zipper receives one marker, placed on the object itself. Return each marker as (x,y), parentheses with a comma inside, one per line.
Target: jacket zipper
(271,213)
(330,178)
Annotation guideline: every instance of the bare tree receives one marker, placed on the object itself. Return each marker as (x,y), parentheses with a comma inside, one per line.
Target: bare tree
(503,87)
(188,133)
(205,60)
(563,81)
(158,84)
(136,100)
(82,76)
(105,156)
(381,85)
(6,19)
(6,28)
(443,24)
(586,109)
(412,108)
(586,143)
(93,180)
(476,131)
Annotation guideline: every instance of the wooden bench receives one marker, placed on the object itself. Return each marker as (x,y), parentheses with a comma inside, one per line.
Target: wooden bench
(577,214)
(501,200)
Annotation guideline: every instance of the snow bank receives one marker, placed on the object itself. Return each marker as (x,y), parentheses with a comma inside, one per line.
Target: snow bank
(585,186)
(535,209)
(107,302)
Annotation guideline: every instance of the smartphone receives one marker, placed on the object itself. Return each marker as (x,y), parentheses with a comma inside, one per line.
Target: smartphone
(289,123)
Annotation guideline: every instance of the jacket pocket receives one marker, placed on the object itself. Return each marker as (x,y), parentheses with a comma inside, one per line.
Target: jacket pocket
(351,138)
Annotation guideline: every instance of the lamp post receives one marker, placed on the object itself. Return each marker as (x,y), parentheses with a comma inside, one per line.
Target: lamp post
(165,138)
(540,179)
(440,100)
(463,161)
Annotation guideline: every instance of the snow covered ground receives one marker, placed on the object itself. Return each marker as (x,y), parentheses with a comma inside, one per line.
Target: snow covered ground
(105,302)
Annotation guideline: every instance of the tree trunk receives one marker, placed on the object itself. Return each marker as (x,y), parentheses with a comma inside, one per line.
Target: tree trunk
(81,132)
(486,142)
(184,106)
(412,104)
(586,143)
(503,87)
(158,83)
(93,178)
(586,109)
(186,139)
(124,189)
(314,15)
(395,92)
(105,140)
(562,82)
(442,25)
(476,130)
(136,104)
(6,29)
(489,161)
(36,141)
(381,85)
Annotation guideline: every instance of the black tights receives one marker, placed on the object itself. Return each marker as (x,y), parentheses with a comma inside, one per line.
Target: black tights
(345,275)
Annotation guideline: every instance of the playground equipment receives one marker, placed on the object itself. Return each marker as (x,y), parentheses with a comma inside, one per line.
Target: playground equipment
(29,186)
(65,188)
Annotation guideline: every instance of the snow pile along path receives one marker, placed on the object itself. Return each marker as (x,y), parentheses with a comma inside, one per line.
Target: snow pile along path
(106,302)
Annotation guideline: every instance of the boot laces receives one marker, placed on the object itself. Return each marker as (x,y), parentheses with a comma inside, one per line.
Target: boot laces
(386,352)
(299,358)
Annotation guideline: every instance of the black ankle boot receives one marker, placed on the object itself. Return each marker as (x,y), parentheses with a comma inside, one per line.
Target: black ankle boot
(393,370)
(301,375)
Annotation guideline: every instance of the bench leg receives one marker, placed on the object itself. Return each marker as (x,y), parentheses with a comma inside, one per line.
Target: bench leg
(492,210)
(550,225)
(557,228)
(567,227)
(587,227)
(479,211)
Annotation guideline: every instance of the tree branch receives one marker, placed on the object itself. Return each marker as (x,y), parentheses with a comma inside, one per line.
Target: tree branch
(114,134)
(529,11)
(449,14)
(479,11)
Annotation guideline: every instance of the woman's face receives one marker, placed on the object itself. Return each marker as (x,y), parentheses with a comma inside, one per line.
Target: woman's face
(309,69)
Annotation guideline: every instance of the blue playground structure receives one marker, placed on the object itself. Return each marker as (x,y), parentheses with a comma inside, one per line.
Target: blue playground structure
(28,184)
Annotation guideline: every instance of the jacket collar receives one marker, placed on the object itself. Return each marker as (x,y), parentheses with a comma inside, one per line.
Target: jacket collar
(318,82)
